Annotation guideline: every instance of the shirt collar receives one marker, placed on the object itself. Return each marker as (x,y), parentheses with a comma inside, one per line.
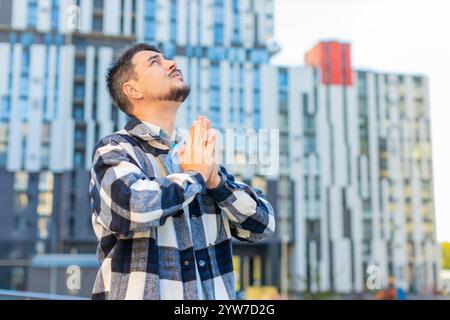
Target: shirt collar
(149,132)
(158,131)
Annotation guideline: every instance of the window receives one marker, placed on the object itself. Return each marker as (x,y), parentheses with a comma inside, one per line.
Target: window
(283,99)
(20,181)
(45,156)
(21,201)
(98,4)
(256,98)
(306,187)
(214,94)
(79,159)
(173,21)
(79,91)
(43,227)
(310,145)
(235,36)
(45,181)
(259,56)
(218,22)
(317,188)
(55,14)
(256,109)
(283,78)
(72,226)
(97,24)
(149,20)
(3,144)
(80,68)
(80,135)
(5,108)
(25,64)
(218,34)
(216,54)
(45,203)
(32,13)
(241,106)
(367,229)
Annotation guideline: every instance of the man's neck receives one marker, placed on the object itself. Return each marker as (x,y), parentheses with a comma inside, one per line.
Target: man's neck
(163,114)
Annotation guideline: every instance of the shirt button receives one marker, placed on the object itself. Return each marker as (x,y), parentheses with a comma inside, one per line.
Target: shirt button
(186,262)
(201,263)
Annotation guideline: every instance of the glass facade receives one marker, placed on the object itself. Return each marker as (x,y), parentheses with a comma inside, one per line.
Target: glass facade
(32,13)
(256,98)
(214,94)
(218,17)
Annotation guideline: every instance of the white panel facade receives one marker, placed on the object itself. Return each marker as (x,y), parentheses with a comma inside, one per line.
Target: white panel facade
(111,17)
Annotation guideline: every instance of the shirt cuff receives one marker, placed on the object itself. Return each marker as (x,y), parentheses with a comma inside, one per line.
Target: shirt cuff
(198,178)
(221,192)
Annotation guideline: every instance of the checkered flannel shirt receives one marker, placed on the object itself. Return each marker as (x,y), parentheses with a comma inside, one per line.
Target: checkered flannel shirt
(140,209)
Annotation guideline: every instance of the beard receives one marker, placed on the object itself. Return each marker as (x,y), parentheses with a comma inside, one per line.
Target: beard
(176,93)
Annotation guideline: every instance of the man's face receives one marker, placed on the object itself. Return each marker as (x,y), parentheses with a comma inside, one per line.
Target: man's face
(158,78)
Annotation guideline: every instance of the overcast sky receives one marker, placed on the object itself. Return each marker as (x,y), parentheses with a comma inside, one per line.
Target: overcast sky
(406,36)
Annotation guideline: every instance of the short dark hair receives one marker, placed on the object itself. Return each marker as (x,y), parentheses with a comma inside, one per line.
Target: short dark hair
(122,70)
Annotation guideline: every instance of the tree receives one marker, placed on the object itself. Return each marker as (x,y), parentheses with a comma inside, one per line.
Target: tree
(445,255)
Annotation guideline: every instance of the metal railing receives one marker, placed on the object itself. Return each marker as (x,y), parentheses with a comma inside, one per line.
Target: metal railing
(28,295)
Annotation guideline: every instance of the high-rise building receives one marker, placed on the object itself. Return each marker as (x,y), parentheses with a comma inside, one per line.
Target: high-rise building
(396,178)
(355,146)
(354,185)
(54,105)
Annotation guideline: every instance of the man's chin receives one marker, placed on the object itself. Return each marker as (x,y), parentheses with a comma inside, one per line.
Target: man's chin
(178,93)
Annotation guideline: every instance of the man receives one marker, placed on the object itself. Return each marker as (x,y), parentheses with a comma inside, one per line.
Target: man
(164,212)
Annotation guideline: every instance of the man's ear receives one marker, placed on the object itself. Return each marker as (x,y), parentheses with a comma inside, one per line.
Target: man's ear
(131,91)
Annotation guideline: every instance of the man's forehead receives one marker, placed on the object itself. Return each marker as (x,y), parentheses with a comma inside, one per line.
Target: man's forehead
(144,55)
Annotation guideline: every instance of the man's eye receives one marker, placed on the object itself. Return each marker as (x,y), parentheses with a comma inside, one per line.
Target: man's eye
(153,62)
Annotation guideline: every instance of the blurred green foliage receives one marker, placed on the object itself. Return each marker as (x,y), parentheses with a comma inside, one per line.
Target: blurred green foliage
(445,255)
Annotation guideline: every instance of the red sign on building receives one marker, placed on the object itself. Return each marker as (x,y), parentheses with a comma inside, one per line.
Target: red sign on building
(333,60)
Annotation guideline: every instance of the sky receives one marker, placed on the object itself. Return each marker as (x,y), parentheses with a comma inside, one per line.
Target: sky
(404,36)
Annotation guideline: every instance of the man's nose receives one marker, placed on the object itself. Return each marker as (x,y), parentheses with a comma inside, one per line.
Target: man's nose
(170,64)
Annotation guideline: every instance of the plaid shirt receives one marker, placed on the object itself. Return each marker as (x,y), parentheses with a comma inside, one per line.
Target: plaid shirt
(140,207)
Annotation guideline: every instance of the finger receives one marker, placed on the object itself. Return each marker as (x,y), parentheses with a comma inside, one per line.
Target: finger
(197,143)
(211,145)
(206,128)
(215,148)
(190,145)
(205,134)
(190,137)
(201,133)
